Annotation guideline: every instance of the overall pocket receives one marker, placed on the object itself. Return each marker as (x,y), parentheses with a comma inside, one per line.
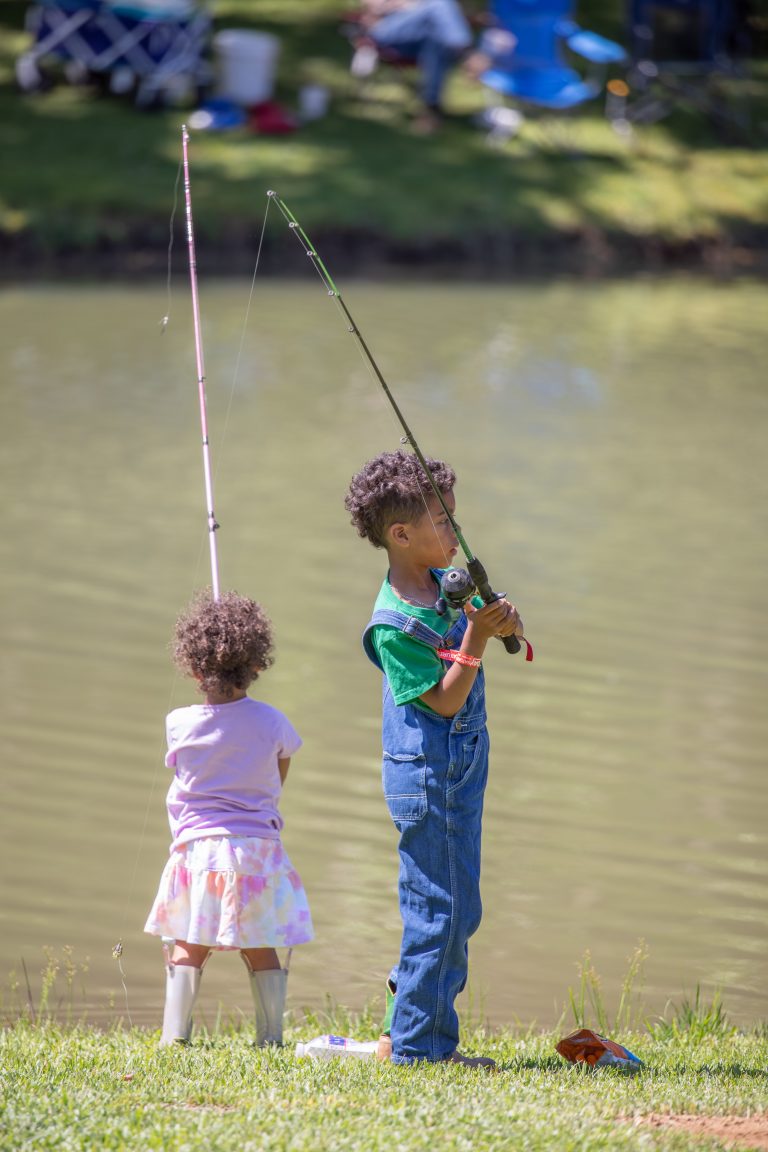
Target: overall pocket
(404,779)
(468,754)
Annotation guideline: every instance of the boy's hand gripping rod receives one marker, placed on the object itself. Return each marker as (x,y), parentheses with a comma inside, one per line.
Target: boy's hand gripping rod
(456,590)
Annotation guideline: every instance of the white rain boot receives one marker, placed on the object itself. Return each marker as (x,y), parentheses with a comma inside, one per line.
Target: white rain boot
(268,991)
(182,983)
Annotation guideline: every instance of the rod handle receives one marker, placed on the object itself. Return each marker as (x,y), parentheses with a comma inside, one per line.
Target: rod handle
(478,574)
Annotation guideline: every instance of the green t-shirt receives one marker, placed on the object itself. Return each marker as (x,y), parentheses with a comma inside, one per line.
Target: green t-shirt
(411,668)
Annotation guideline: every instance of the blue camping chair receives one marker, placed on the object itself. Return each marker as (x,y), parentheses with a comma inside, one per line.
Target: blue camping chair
(532,68)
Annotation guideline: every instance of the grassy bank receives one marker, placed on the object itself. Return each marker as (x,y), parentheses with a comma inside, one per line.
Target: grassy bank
(79,1088)
(73,1086)
(87,178)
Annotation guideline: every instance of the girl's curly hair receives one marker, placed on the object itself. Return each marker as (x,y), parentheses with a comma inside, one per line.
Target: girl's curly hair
(224,643)
(390,488)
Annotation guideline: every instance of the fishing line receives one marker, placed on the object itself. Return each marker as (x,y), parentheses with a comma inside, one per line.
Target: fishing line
(166,319)
(209,473)
(366,358)
(118,948)
(365,352)
(475,569)
(243,330)
(212,523)
(164,322)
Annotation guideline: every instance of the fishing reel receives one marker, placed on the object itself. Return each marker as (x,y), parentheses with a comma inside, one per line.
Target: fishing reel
(456,588)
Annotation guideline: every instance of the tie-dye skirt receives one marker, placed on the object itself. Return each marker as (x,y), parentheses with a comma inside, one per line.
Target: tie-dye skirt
(231,892)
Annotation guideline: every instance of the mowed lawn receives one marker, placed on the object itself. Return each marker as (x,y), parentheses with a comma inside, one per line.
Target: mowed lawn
(83,170)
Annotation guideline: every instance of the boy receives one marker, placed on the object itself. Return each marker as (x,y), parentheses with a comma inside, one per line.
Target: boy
(435,759)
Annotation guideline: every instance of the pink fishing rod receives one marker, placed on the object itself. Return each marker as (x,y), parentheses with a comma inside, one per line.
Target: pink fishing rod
(212,525)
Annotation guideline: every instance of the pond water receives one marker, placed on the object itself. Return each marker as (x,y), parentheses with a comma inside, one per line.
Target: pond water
(610,441)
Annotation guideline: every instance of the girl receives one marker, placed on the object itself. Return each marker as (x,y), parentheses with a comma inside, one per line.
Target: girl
(228,883)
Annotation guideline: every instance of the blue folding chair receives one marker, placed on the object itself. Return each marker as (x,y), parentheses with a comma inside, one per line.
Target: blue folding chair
(151,47)
(525,47)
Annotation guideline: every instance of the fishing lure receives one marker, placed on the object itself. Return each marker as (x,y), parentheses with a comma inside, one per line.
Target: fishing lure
(458,585)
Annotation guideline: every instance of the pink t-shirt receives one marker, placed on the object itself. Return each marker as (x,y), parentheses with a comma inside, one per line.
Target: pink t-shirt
(226,780)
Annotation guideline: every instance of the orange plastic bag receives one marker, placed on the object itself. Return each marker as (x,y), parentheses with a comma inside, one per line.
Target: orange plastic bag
(586,1047)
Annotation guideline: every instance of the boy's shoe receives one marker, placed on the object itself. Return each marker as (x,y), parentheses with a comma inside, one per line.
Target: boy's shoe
(483,1062)
(384,1053)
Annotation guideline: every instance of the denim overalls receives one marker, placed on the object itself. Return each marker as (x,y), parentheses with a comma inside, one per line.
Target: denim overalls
(434,774)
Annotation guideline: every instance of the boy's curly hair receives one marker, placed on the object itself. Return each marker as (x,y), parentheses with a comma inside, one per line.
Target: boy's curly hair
(390,488)
(224,643)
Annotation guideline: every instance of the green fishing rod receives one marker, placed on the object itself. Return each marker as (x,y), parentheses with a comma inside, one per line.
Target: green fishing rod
(457,585)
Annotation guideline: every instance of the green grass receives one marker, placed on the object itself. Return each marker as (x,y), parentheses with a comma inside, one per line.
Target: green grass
(82,171)
(72,1086)
(80,1088)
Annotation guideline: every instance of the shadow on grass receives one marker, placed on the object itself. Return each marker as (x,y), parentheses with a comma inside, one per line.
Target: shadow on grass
(535,1064)
(732,1071)
(105,173)
(91,173)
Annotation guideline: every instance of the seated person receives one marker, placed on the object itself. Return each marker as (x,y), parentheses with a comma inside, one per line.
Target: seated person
(436,33)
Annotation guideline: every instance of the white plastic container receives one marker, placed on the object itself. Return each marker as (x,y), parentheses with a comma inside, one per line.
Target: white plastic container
(313,101)
(246,63)
(328,1047)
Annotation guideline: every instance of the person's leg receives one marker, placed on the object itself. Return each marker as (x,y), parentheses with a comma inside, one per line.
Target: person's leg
(191,955)
(404,26)
(435,62)
(269,983)
(439,894)
(260,959)
(182,983)
(423,1027)
(464,810)
(441,21)
(434,33)
(447,24)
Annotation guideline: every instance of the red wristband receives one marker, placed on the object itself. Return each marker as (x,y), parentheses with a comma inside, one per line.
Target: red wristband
(458,657)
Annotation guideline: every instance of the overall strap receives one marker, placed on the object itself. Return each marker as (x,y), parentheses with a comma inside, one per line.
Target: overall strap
(453,636)
(409,625)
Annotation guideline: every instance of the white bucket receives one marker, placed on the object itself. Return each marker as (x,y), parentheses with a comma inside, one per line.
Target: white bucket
(246,63)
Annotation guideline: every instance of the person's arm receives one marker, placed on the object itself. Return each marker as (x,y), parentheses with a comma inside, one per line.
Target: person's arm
(497,619)
(283,764)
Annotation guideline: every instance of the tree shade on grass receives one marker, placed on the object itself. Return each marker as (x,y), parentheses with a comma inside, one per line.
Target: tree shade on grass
(88,173)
